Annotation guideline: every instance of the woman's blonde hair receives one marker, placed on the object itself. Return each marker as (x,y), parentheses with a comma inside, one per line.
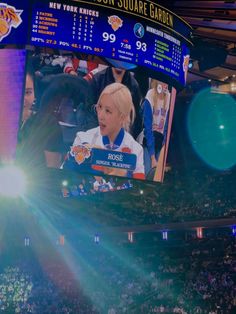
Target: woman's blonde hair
(122,99)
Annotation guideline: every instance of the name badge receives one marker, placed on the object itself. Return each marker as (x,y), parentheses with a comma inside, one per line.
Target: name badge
(113,159)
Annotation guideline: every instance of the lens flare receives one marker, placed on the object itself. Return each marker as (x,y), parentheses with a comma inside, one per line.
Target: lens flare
(212,128)
(12,182)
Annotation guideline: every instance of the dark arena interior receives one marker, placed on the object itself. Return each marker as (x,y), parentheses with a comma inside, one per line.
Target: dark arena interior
(114,209)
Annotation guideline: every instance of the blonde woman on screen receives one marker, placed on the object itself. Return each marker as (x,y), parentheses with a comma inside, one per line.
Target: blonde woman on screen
(115,111)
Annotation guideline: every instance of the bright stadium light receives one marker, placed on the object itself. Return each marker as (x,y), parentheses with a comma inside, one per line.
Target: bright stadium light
(64,183)
(234,230)
(12,181)
(165,235)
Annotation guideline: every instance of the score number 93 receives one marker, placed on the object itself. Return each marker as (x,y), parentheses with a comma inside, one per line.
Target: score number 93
(141,46)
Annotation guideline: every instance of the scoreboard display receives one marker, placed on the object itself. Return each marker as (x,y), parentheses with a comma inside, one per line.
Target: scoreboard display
(88,28)
(138,32)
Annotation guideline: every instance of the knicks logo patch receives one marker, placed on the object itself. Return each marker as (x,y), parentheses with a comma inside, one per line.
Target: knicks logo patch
(115,22)
(80,153)
(9,17)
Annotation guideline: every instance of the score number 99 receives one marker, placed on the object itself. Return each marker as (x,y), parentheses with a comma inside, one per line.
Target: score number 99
(108,37)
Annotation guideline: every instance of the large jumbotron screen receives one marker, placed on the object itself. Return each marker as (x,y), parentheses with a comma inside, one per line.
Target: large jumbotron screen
(100,84)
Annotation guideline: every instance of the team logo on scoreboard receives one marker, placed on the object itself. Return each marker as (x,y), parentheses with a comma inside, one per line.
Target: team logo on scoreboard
(115,22)
(138,30)
(9,17)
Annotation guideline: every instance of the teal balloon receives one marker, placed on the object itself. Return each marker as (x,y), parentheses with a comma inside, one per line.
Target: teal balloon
(211,122)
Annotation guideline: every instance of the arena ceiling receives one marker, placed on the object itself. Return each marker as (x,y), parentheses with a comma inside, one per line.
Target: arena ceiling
(214,37)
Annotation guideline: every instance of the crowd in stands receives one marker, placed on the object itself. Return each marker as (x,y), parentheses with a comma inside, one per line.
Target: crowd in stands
(92,185)
(197,276)
(196,195)
(149,275)
(25,289)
